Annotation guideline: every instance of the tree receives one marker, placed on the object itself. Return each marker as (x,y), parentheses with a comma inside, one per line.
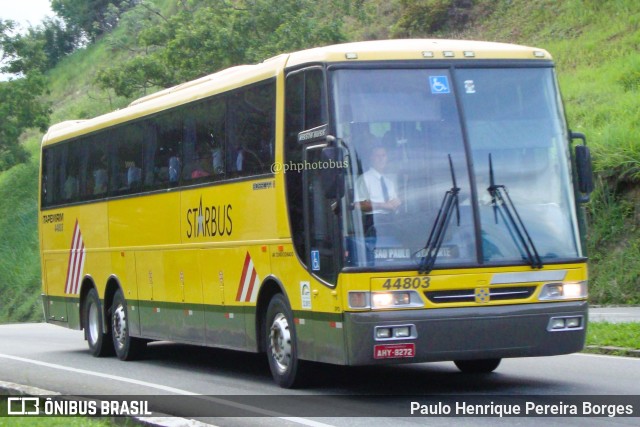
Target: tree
(20,108)
(206,36)
(90,18)
(20,98)
(424,18)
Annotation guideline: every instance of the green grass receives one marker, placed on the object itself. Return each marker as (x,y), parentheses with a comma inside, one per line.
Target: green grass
(624,335)
(19,258)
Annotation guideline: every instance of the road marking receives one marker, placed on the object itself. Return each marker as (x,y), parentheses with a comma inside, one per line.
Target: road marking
(262,412)
(635,359)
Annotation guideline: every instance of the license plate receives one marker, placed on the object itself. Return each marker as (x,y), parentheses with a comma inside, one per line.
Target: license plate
(394,351)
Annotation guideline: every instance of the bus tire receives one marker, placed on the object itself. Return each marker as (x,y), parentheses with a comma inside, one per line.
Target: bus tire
(281,344)
(125,346)
(100,343)
(479,366)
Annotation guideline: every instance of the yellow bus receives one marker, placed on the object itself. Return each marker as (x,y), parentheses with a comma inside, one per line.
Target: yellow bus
(358,204)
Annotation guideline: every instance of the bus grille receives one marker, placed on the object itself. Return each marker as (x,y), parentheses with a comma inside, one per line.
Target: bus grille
(468,295)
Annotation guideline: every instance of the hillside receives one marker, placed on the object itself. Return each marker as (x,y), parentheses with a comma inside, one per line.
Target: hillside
(596,46)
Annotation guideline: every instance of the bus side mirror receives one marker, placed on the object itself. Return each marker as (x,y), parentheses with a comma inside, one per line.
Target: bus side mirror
(332,172)
(583,167)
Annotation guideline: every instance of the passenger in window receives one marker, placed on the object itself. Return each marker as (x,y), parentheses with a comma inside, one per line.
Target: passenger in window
(203,164)
(174,169)
(99,176)
(71,183)
(134,175)
(251,161)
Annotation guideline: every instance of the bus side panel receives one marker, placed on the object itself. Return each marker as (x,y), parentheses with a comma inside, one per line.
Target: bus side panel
(224,322)
(170,295)
(149,272)
(71,240)
(182,287)
(124,269)
(240,271)
(138,226)
(55,303)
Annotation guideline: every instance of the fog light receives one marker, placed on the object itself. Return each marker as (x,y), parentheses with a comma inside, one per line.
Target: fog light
(402,332)
(573,322)
(383,333)
(558,324)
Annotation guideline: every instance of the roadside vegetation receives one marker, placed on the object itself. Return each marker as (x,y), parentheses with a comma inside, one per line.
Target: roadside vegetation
(84,63)
(621,336)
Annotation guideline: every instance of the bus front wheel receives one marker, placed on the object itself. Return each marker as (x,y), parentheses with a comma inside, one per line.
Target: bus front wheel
(480,366)
(100,343)
(281,344)
(126,346)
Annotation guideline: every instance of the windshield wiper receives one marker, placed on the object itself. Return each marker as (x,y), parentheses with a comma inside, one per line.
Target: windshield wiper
(502,202)
(440,225)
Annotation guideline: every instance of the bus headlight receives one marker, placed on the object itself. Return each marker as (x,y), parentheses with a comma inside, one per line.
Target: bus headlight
(382,300)
(563,291)
(394,299)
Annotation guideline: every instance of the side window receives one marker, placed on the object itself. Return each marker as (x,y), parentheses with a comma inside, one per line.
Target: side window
(97,167)
(305,104)
(163,141)
(126,159)
(315,107)
(48,185)
(252,131)
(73,170)
(205,145)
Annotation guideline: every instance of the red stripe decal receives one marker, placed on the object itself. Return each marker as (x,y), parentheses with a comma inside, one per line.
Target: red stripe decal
(247,260)
(253,281)
(68,283)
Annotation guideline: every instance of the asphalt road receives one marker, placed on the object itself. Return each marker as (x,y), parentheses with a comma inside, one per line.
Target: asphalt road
(614,314)
(219,382)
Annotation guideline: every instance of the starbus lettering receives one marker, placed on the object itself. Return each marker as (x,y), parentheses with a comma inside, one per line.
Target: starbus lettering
(209,221)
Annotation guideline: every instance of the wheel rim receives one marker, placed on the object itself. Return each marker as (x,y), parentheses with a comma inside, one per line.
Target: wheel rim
(280,342)
(119,324)
(94,323)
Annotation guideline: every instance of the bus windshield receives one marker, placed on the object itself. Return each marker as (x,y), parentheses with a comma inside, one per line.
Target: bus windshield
(399,127)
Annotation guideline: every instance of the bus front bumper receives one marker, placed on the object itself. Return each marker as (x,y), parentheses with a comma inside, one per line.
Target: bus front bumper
(484,332)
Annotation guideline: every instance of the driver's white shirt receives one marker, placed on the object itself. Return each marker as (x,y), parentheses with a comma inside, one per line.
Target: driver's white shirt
(368,187)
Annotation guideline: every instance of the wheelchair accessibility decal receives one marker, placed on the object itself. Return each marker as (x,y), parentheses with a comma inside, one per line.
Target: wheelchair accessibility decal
(439,84)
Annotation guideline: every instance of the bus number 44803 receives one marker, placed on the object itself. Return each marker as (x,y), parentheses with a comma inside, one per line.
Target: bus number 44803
(407,283)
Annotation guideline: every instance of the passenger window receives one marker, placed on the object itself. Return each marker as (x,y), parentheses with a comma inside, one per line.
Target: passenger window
(252,131)
(126,160)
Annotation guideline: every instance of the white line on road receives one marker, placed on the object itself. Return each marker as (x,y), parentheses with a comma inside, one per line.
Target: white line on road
(173,390)
(634,359)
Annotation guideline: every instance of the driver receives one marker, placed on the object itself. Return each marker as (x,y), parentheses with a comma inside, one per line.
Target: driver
(377,199)
(375,191)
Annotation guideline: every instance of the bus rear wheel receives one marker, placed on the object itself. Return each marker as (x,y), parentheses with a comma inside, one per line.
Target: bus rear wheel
(126,346)
(281,344)
(100,343)
(480,366)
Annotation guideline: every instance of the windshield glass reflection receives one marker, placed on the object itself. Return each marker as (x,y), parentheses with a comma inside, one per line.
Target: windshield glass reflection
(399,128)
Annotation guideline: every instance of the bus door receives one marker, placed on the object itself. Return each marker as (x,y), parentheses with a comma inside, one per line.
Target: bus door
(321,214)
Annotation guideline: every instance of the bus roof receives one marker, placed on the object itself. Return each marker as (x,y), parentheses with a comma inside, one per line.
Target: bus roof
(416,49)
(238,76)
